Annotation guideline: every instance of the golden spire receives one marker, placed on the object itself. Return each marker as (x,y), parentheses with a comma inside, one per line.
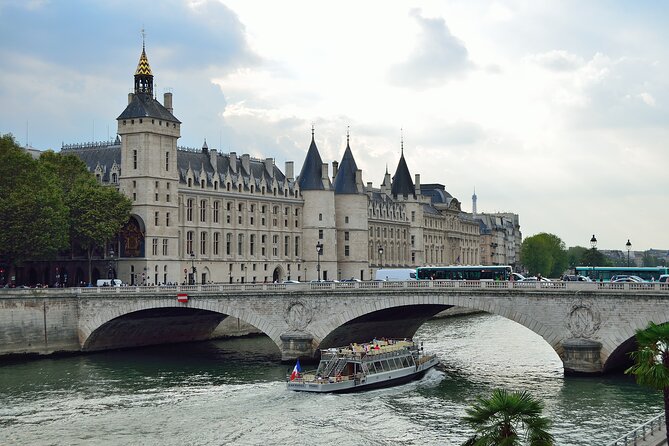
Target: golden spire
(143,67)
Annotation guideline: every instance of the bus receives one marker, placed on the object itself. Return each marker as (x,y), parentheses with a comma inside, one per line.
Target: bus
(604,273)
(464,272)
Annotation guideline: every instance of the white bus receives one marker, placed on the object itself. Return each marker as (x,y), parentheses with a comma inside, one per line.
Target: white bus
(395,274)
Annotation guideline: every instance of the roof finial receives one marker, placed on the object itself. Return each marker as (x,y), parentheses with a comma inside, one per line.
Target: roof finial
(143,38)
(348,128)
(312,130)
(402,140)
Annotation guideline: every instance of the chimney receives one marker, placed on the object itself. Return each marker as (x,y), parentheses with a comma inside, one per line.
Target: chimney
(213,158)
(246,162)
(130,96)
(324,171)
(369,188)
(233,162)
(269,166)
(167,102)
(289,170)
(417,185)
(335,169)
(358,181)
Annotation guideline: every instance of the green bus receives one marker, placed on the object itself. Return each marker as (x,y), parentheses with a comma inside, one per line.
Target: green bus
(464,272)
(604,273)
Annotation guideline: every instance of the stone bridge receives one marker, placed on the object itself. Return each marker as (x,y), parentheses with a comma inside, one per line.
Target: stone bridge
(591,326)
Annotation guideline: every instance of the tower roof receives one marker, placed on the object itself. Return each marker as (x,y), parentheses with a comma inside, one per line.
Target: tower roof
(143,67)
(402,184)
(344,182)
(311,174)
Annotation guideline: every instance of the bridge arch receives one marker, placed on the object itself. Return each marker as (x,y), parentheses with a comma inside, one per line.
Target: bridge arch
(150,322)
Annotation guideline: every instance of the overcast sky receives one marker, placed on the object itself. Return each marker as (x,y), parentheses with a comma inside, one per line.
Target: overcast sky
(556,111)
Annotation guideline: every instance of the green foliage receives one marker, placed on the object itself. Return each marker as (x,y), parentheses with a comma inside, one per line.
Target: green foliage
(575,256)
(544,254)
(593,257)
(509,419)
(651,361)
(34,223)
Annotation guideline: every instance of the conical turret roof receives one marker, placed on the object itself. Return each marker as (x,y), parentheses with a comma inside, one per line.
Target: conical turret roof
(143,67)
(311,174)
(402,184)
(344,182)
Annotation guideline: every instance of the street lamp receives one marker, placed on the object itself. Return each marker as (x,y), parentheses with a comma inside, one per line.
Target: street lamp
(192,265)
(629,246)
(593,245)
(319,251)
(380,249)
(111,265)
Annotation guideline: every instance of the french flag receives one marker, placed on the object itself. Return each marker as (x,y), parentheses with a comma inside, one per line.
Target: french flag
(296,371)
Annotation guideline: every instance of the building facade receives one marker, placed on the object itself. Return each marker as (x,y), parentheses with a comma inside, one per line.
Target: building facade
(202,216)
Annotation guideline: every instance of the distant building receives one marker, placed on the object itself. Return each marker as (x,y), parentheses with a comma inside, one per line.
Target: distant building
(200,215)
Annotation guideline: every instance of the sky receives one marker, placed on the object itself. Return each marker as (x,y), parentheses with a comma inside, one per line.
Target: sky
(554,110)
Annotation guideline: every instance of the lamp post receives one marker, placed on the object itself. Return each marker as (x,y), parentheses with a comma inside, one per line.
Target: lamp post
(593,245)
(380,249)
(629,246)
(111,265)
(192,265)
(319,251)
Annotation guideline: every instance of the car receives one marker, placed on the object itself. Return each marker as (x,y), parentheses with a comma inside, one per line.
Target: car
(575,278)
(664,278)
(291,281)
(516,277)
(535,279)
(628,279)
(351,280)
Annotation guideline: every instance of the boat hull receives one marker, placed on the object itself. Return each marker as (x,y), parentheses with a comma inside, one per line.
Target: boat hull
(374,381)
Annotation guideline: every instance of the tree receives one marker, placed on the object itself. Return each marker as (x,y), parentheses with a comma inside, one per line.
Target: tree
(651,362)
(97,214)
(593,257)
(508,419)
(575,256)
(544,254)
(34,216)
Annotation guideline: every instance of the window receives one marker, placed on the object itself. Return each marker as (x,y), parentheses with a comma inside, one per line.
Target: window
(167,219)
(286,246)
(189,242)
(134,159)
(320,217)
(240,244)
(217,236)
(216,211)
(154,246)
(203,243)
(252,243)
(413,215)
(203,210)
(165,252)
(346,236)
(156,198)
(167,198)
(189,210)
(297,248)
(134,196)
(156,216)
(228,243)
(413,240)
(345,219)
(320,234)
(346,250)
(167,161)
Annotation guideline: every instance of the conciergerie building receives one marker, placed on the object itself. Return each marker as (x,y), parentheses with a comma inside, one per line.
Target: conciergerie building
(201,216)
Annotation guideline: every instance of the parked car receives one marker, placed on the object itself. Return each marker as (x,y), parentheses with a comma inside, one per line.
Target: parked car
(575,278)
(535,279)
(664,278)
(516,277)
(629,279)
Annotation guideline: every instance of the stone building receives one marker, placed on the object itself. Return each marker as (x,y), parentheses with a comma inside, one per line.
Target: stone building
(202,216)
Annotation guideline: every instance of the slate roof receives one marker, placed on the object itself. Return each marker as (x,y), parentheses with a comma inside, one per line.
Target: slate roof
(143,105)
(311,174)
(344,182)
(402,184)
(104,154)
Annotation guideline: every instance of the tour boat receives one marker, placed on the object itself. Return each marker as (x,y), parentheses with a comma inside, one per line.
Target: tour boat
(380,363)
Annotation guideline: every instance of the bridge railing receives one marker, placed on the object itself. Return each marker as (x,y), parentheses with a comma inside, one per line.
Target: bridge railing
(642,432)
(233,288)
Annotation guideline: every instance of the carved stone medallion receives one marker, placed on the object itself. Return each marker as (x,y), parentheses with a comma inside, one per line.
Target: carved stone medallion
(583,320)
(298,315)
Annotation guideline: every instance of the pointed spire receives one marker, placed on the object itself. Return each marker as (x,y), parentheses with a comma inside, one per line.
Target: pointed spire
(143,75)
(345,181)
(402,183)
(205,147)
(311,174)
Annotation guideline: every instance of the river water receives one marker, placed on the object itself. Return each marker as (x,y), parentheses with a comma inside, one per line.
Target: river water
(233,392)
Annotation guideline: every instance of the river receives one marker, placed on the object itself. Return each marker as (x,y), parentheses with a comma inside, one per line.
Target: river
(233,392)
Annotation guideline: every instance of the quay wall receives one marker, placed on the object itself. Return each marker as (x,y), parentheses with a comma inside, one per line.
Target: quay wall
(38,325)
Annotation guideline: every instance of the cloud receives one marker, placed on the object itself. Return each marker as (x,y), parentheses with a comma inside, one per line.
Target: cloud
(558,60)
(437,57)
